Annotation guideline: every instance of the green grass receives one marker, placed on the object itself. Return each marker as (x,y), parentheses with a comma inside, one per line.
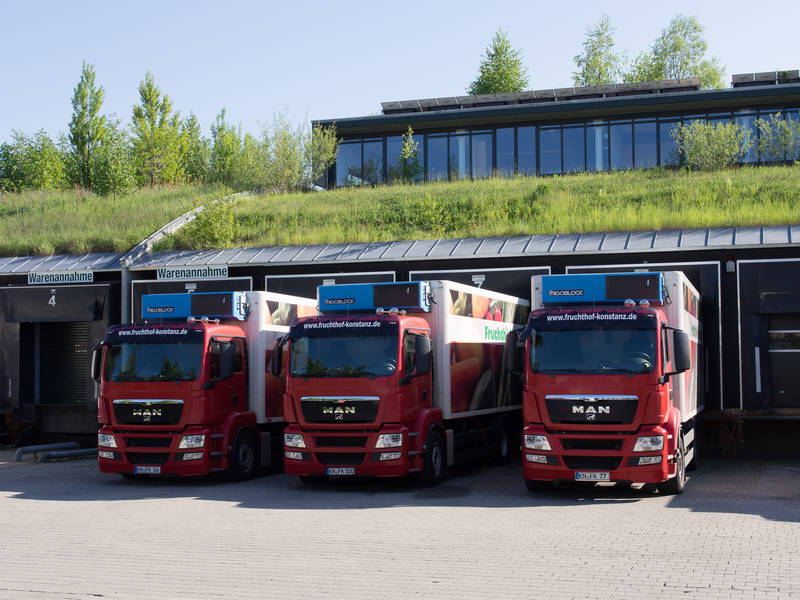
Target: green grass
(621,201)
(77,222)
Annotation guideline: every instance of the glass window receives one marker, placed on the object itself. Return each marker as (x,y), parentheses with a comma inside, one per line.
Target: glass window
(668,150)
(748,123)
(719,118)
(574,153)
(793,118)
(550,150)
(526,150)
(597,147)
(481,155)
(437,158)
(394,146)
(645,149)
(348,164)
(459,156)
(505,151)
(621,142)
(372,171)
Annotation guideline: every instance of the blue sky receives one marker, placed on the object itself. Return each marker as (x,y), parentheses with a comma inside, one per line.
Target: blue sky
(330,59)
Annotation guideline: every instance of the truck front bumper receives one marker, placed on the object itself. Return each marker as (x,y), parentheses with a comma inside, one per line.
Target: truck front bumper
(153,453)
(573,457)
(346,453)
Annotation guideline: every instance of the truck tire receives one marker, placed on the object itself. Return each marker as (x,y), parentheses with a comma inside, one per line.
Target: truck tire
(502,453)
(434,461)
(676,484)
(534,485)
(245,457)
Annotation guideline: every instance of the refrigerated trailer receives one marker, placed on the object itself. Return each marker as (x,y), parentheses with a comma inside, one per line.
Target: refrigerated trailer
(398,378)
(611,379)
(188,391)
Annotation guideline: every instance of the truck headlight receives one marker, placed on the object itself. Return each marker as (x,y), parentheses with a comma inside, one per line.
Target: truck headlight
(294,455)
(294,440)
(192,441)
(107,440)
(537,442)
(649,443)
(389,440)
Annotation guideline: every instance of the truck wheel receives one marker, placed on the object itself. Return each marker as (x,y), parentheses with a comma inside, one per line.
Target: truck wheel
(434,466)
(503,451)
(244,461)
(676,484)
(534,485)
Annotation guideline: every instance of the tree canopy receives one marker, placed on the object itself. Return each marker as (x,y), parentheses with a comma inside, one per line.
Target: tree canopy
(501,69)
(599,64)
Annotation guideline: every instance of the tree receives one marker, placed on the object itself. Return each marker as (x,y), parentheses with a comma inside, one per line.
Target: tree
(32,163)
(501,69)
(710,146)
(87,128)
(156,139)
(285,153)
(410,167)
(678,53)
(226,145)
(322,147)
(194,151)
(113,164)
(599,64)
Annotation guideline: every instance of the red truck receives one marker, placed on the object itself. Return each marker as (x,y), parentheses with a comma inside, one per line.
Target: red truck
(188,393)
(398,378)
(611,379)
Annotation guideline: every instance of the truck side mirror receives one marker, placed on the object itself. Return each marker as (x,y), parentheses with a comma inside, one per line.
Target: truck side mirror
(423,355)
(276,360)
(97,361)
(682,354)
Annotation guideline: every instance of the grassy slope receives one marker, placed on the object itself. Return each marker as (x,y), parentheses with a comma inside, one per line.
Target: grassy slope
(622,201)
(77,222)
(44,223)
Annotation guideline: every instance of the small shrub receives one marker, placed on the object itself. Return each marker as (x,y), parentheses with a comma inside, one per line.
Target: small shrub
(711,146)
(213,227)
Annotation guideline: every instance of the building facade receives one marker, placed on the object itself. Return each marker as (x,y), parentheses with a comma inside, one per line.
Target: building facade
(549,132)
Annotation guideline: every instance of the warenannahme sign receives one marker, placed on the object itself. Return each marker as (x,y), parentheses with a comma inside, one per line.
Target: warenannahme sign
(51,277)
(206,272)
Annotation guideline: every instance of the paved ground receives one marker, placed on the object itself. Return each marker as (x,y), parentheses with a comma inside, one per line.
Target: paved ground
(69,532)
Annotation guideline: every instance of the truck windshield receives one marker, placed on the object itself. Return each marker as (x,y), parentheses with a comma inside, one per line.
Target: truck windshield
(593,350)
(153,357)
(343,356)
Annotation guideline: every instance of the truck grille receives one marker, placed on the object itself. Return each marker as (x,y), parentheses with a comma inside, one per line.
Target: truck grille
(340,409)
(604,463)
(148,412)
(148,442)
(591,444)
(341,442)
(148,458)
(590,409)
(341,458)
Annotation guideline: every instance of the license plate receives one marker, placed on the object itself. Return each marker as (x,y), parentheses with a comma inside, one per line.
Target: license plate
(592,476)
(147,469)
(340,471)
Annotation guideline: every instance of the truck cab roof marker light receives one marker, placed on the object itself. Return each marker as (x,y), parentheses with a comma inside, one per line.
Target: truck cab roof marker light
(629,303)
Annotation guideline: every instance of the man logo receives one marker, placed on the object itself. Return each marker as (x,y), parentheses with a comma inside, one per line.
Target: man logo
(339,412)
(591,410)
